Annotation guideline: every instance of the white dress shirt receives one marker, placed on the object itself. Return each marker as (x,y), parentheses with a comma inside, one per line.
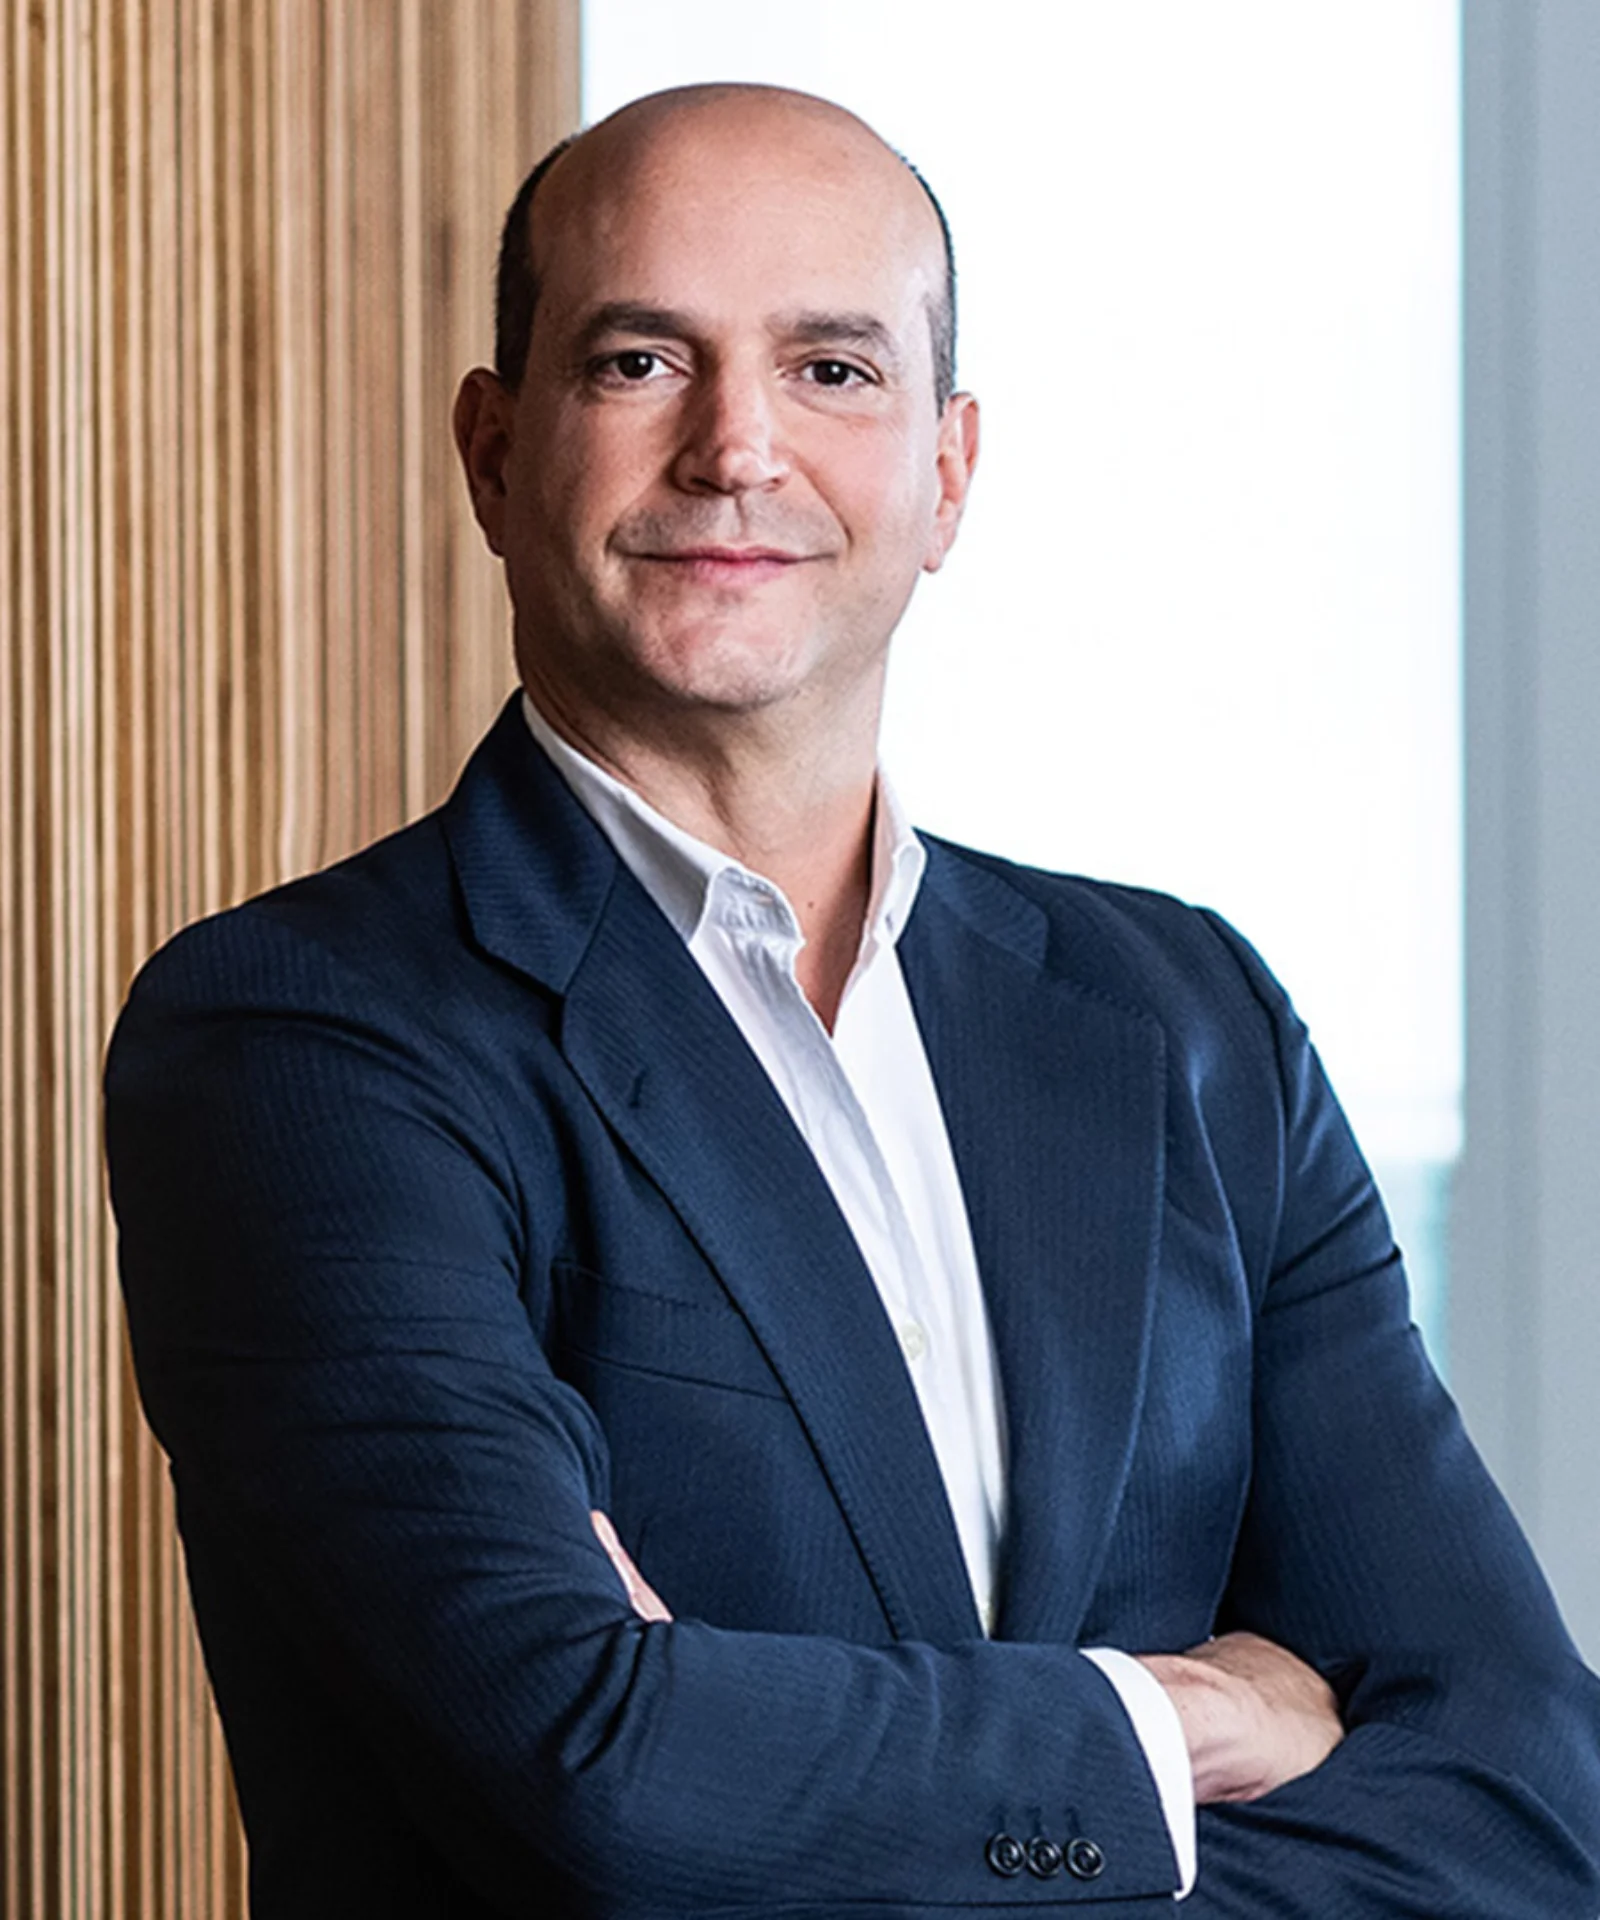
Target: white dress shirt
(865,1103)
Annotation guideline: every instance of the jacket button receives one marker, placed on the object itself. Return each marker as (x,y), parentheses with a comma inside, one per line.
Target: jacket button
(1044,1859)
(1006,1855)
(1085,1860)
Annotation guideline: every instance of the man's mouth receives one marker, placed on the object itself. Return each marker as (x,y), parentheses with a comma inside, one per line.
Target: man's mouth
(725,566)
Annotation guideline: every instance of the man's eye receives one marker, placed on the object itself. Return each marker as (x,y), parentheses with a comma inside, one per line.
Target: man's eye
(834,373)
(632,366)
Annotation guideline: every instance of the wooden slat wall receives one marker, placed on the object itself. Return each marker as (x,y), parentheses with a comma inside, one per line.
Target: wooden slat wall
(245,624)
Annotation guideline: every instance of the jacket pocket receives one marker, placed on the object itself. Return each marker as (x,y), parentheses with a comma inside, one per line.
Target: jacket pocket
(701,1341)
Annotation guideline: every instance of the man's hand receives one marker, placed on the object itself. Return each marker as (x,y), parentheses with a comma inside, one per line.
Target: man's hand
(643,1598)
(1253,1714)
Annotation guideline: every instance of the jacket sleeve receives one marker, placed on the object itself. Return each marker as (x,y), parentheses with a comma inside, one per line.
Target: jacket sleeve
(322,1253)
(1376,1547)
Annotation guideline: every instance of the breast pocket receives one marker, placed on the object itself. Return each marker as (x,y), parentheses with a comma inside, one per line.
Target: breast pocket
(704,1342)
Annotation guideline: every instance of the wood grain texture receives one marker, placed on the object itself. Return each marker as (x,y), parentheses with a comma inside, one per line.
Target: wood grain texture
(245,625)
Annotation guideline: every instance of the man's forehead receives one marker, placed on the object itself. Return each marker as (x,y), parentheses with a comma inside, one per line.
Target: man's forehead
(679,164)
(756,119)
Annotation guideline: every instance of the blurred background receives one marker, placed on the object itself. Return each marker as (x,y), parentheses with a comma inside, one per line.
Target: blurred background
(1280,590)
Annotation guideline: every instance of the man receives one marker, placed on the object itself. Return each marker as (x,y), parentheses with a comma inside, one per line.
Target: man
(951,1288)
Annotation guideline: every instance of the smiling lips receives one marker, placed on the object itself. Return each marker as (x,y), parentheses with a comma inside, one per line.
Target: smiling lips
(727,566)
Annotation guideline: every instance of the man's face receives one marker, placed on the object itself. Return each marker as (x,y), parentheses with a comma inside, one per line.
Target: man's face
(724,468)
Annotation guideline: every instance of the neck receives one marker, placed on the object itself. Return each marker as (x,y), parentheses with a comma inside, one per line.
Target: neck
(797,810)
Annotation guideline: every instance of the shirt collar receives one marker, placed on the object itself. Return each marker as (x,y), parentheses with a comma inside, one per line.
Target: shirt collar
(678,871)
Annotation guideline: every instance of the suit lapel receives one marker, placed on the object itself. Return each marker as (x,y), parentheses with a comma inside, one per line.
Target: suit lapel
(1054,1101)
(664,1063)
(1053,1098)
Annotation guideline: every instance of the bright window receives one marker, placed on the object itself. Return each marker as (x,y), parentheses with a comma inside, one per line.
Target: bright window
(1201,630)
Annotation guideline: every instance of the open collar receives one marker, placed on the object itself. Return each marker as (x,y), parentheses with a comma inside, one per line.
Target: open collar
(1053,1097)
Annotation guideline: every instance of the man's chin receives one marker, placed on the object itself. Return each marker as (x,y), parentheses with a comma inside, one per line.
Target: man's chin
(728,670)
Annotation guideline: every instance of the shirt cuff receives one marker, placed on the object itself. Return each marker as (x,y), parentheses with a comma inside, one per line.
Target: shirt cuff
(1166,1752)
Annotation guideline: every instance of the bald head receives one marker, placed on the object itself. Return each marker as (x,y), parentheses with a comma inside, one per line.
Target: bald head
(688,131)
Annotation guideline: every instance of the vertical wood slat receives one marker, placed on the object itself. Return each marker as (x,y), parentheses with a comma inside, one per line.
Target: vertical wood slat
(13,1716)
(245,624)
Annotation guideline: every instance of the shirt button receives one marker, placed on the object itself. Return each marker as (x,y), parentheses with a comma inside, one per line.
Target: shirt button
(913,1341)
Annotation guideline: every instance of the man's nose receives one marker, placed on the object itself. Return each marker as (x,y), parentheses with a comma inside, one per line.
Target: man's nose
(733,440)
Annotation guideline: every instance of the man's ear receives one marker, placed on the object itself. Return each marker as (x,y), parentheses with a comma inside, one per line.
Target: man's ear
(483,420)
(957,457)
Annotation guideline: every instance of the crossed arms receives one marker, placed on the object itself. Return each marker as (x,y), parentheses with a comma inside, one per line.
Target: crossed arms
(380,1474)
(1254,1717)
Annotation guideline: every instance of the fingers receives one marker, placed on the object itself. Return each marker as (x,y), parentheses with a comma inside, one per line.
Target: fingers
(1254,1715)
(642,1597)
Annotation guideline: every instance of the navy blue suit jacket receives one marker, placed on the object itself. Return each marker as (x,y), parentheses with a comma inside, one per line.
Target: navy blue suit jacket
(453,1205)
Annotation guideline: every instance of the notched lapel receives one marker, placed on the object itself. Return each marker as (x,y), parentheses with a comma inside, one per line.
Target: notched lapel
(665,1064)
(669,1070)
(533,868)
(1054,1099)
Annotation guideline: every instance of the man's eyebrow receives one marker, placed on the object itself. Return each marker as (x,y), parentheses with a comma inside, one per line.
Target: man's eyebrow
(863,331)
(634,316)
